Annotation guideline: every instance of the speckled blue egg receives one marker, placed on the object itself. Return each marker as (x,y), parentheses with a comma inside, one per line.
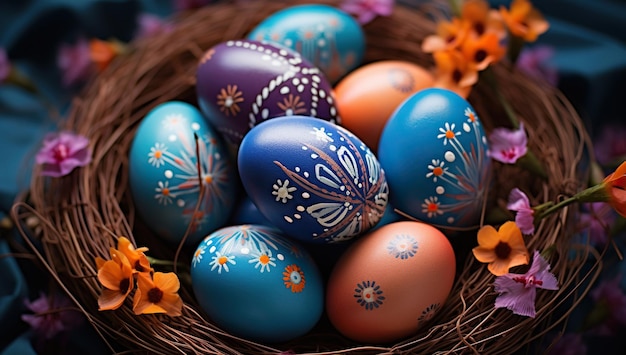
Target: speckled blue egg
(314,180)
(255,283)
(328,37)
(434,152)
(166,174)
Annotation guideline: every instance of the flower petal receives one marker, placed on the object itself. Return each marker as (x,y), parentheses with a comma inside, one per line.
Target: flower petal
(110,299)
(488,237)
(484,255)
(110,275)
(499,267)
(167,282)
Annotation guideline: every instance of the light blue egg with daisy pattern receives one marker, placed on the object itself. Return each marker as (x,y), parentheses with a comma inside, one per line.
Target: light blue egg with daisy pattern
(255,283)
(174,154)
(434,153)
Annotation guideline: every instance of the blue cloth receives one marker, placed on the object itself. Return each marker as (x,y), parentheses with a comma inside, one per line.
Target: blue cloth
(589,38)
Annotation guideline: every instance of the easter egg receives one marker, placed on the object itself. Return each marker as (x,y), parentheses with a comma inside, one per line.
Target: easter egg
(434,152)
(168,167)
(390,282)
(326,36)
(368,96)
(314,180)
(241,83)
(257,284)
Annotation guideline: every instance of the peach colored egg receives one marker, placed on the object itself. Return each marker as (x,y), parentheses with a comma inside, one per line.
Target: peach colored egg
(390,282)
(367,96)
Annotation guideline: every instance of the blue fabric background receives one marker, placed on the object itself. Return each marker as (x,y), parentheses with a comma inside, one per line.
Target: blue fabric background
(589,38)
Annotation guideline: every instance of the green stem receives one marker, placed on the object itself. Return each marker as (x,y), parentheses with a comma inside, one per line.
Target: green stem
(596,193)
(555,207)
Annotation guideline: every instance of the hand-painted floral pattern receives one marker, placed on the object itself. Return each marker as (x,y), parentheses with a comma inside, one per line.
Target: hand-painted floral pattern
(369,295)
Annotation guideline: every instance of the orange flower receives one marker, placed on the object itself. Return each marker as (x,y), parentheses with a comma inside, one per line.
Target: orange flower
(524,21)
(502,249)
(450,34)
(483,51)
(615,186)
(158,294)
(116,275)
(136,257)
(102,53)
(454,72)
(482,18)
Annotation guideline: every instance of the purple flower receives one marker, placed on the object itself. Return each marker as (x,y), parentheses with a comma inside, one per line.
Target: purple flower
(51,316)
(367,10)
(597,218)
(524,218)
(610,145)
(62,152)
(5,65)
(508,145)
(534,62)
(151,25)
(517,291)
(75,63)
(611,300)
(569,344)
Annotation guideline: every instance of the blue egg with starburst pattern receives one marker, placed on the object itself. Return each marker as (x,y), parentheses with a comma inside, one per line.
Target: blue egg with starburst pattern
(314,180)
(328,37)
(435,154)
(255,283)
(174,156)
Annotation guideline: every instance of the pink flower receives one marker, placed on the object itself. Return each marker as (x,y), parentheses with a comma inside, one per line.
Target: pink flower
(62,152)
(508,145)
(534,62)
(183,5)
(597,218)
(517,291)
(367,10)
(5,65)
(524,218)
(610,145)
(75,63)
(51,316)
(151,25)
(611,301)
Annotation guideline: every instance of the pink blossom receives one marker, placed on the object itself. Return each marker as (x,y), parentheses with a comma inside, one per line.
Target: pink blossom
(524,218)
(51,316)
(75,63)
(609,296)
(367,10)
(610,145)
(183,5)
(508,145)
(151,25)
(534,62)
(517,291)
(5,65)
(62,152)
(597,218)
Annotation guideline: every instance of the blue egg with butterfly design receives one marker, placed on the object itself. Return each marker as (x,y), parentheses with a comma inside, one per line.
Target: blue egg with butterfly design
(314,180)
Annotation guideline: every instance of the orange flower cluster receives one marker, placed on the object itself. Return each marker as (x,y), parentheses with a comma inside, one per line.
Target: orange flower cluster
(468,44)
(156,292)
(102,52)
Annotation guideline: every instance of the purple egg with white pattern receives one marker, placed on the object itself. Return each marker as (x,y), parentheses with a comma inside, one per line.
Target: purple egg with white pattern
(241,83)
(313,179)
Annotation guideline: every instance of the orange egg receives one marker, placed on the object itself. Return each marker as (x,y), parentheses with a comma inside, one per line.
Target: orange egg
(367,96)
(390,282)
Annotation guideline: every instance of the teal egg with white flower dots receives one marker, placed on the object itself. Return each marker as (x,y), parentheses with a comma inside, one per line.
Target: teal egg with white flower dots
(433,149)
(173,156)
(255,283)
